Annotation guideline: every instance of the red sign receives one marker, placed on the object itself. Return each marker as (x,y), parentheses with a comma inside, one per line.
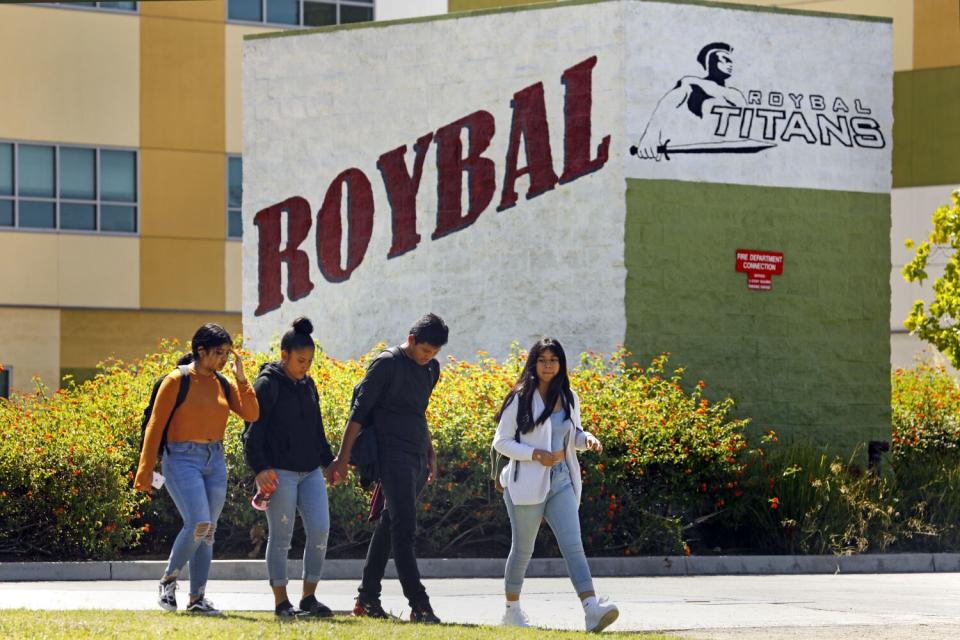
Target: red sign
(760,267)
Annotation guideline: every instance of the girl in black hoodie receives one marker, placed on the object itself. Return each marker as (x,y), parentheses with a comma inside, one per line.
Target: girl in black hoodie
(287,449)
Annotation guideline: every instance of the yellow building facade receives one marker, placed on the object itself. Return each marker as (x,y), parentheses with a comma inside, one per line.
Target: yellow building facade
(159,82)
(153,88)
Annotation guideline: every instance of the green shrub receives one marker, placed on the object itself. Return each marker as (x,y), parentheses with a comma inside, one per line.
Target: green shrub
(672,459)
(925,455)
(801,500)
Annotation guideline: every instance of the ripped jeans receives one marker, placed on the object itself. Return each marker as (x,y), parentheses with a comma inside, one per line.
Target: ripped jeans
(196,478)
(305,492)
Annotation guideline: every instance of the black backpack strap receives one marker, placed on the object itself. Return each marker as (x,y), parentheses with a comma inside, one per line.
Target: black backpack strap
(181,396)
(273,394)
(396,380)
(184,388)
(224,384)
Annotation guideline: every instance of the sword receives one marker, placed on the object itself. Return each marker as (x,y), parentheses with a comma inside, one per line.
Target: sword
(722,146)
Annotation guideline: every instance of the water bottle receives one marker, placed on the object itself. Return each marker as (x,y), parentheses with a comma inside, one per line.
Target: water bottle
(261,500)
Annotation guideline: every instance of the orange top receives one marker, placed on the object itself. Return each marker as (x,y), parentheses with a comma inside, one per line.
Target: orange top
(201,418)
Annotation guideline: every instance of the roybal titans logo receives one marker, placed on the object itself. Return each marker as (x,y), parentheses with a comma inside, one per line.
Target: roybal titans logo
(708,115)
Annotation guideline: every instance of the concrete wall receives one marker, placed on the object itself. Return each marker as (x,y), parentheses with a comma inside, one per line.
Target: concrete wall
(811,355)
(317,104)
(30,345)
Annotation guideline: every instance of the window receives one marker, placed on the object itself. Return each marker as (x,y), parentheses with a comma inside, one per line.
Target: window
(109,6)
(306,13)
(68,188)
(234,197)
(4,381)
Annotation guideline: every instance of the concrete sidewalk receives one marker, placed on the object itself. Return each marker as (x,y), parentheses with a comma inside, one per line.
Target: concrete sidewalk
(493,567)
(918,606)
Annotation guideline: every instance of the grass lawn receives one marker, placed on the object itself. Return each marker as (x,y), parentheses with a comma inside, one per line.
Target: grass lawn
(239,625)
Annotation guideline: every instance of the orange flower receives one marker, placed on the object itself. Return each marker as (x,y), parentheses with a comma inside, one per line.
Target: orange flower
(774,502)
(147,528)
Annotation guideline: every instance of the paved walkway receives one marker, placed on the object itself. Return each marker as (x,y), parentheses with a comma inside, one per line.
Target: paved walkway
(878,607)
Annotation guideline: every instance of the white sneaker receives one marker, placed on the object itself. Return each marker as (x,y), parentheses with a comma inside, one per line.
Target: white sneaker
(515,617)
(600,614)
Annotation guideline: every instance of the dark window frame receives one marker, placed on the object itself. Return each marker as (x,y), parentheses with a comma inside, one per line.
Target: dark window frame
(227,207)
(371,4)
(98,201)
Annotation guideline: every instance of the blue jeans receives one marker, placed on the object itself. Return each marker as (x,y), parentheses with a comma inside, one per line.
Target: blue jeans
(196,478)
(305,492)
(561,511)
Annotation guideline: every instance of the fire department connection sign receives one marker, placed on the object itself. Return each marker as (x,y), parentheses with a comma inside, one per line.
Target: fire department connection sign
(760,267)
(476,166)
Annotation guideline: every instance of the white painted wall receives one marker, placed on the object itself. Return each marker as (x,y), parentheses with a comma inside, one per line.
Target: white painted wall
(317,104)
(398,9)
(772,52)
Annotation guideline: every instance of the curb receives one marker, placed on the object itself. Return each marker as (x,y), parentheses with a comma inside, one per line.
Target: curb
(493,567)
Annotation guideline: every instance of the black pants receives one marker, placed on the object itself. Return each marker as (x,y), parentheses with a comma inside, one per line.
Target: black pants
(402,476)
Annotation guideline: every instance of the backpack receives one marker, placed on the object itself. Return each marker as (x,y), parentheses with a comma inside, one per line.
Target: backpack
(181,396)
(364,456)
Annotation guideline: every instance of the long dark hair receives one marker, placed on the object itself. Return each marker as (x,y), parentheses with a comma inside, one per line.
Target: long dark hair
(528,382)
(209,336)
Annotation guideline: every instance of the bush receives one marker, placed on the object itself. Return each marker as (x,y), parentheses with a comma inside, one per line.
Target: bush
(799,499)
(672,461)
(925,454)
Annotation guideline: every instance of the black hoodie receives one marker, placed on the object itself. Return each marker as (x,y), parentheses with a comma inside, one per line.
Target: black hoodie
(289,434)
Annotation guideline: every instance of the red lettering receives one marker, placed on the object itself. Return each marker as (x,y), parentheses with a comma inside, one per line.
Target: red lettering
(270,255)
(359,224)
(402,191)
(530,122)
(481,182)
(577,104)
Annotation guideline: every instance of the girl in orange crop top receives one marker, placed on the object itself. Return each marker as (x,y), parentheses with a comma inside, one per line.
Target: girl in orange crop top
(194,467)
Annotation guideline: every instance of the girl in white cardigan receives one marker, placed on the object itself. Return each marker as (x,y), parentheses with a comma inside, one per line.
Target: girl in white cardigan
(539,430)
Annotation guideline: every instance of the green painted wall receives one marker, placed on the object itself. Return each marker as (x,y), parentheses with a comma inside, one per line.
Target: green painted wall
(926,127)
(811,358)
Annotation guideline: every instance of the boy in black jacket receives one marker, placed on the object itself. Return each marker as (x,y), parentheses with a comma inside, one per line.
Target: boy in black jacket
(393,398)
(288,449)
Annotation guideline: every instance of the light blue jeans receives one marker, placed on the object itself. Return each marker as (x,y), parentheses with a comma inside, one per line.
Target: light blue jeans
(561,512)
(196,479)
(305,492)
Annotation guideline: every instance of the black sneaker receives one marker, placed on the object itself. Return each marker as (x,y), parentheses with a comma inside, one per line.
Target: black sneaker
(370,609)
(203,607)
(423,613)
(286,611)
(168,595)
(314,608)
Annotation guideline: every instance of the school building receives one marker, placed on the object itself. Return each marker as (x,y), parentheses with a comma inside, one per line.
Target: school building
(120,162)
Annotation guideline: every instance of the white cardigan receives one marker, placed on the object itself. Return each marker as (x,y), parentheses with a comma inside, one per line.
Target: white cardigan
(532,482)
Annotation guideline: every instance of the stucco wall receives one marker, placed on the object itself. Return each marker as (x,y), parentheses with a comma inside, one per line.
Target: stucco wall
(320,103)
